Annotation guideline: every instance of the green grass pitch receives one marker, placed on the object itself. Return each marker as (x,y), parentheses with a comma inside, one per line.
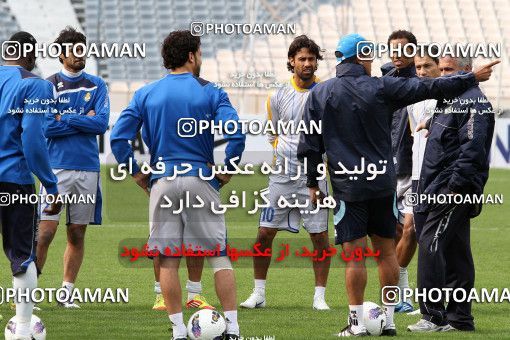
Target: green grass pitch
(289,291)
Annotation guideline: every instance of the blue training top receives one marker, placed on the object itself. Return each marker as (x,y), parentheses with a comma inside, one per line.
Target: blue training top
(72,141)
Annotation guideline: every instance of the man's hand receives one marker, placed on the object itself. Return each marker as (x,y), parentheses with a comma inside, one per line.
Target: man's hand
(484,72)
(316,195)
(224,179)
(55,207)
(143,181)
(423,126)
(91,113)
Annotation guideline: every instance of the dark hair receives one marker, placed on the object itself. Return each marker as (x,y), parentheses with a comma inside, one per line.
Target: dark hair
(176,48)
(69,35)
(403,34)
(302,42)
(434,50)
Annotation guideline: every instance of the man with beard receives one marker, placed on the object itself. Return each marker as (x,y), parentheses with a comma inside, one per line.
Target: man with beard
(161,108)
(82,113)
(287,105)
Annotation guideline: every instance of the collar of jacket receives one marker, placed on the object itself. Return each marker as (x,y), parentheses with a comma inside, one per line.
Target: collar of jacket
(350,70)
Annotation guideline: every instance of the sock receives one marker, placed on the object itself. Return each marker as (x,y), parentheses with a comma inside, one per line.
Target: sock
(178,328)
(157,287)
(24,308)
(390,311)
(193,289)
(231,319)
(68,285)
(403,280)
(319,292)
(260,286)
(356,318)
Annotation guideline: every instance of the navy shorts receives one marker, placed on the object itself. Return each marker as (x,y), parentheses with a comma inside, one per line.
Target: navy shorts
(354,220)
(19,226)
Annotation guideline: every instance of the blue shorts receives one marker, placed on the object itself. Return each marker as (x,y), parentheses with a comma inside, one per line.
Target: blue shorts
(354,220)
(19,227)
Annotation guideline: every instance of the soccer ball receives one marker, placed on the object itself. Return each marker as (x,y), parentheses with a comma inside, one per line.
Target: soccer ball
(36,325)
(206,324)
(374,318)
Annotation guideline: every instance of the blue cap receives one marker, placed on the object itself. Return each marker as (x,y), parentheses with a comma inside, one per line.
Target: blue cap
(350,45)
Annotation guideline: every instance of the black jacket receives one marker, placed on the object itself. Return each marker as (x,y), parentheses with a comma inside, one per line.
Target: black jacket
(356,112)
(456,157)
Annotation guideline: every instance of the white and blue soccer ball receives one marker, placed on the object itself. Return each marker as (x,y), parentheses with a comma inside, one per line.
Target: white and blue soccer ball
(206,324)
(374,318)
(36,326)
